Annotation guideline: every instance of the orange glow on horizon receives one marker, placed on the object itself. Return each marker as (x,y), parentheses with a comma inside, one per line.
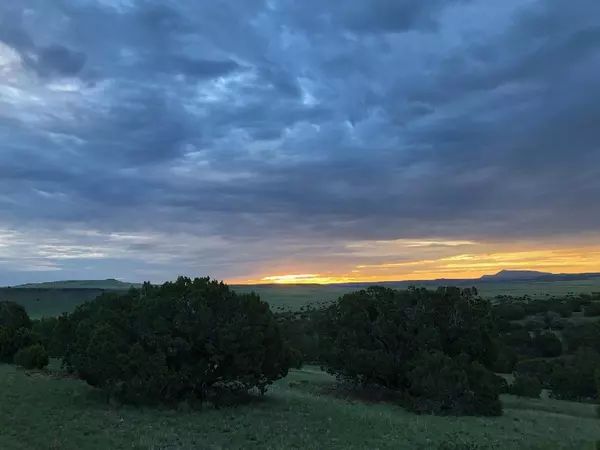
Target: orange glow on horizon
(457,266)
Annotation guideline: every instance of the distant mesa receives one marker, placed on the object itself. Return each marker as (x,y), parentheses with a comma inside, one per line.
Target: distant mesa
(504,275)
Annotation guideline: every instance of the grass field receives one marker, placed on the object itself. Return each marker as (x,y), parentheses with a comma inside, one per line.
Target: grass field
(38,412)
(56,298)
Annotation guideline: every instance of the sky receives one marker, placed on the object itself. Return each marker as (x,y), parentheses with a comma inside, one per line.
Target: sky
(284,140)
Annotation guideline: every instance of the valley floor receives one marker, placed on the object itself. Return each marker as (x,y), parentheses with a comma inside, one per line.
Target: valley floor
(39,412)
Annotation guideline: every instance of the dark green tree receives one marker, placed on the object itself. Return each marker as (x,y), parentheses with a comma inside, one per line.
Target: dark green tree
(15,330)
(191,340)
(574,379)
(547,344)
(381,336)
(525,386)
(32,357)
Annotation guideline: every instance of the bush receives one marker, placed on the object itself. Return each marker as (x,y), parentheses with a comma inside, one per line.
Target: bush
(598,390)
(525,386)
(48,332)
(191,340)
(300,332)
(429,345)
(509,311)
(452,386)
(535,324)
(32,357)
(592,310)
(584,335)
(547,344)
(521,343)
(574,379)
(506,360)
(14,330)
(13,316)
(564,308)
(539,368)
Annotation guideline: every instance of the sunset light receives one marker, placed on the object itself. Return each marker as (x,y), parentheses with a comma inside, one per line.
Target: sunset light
(457,266)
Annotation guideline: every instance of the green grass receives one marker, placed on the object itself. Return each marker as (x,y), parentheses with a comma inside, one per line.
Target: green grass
(37,412)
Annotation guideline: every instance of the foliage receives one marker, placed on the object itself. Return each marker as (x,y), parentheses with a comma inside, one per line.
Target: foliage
(509,311)
(45,329)
(598,391)
(547,344)
(575,378)
(299,329)
(191,340)
(429,345)
(32,357)
(525,386)
(439,384)
(520,342)
(539,368)
(535,324)
(13,316)
(506,359)
(592,310)
(583,335)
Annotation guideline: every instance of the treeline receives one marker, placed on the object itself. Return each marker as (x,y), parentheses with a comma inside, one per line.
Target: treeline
(198,341)
(535,340)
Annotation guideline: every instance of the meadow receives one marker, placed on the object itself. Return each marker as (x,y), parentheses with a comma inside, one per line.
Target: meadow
(47,409)
(39,410)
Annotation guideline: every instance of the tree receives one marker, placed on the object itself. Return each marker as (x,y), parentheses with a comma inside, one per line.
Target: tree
(539,368)
(574,379)
(525,386)
(583,335)
(385,337)
(13,316)
(15,330)
(547,344)
(509,311)
(32,357)
(191,340)
(592,310)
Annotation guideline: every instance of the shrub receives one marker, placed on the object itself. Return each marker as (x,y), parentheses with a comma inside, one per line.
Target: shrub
(191,340)
(11,341)
(598,391)
(300,332)
(13,316)
(575,304)
(32,357)
(584,335)
(574,379)
(521,342)
(539,368)
(509,311)
(48,332)
(547,344)
(525,386)
(535,324)
(429,345)
(506,360)
(592,310)
(451,386)
(14,330)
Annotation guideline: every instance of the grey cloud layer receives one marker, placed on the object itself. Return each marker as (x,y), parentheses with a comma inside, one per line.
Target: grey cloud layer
(262,121)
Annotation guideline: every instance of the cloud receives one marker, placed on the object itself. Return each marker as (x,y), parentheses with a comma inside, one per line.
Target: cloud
(279,133)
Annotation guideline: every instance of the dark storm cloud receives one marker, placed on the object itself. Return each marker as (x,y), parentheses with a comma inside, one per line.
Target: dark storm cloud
(317,121)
